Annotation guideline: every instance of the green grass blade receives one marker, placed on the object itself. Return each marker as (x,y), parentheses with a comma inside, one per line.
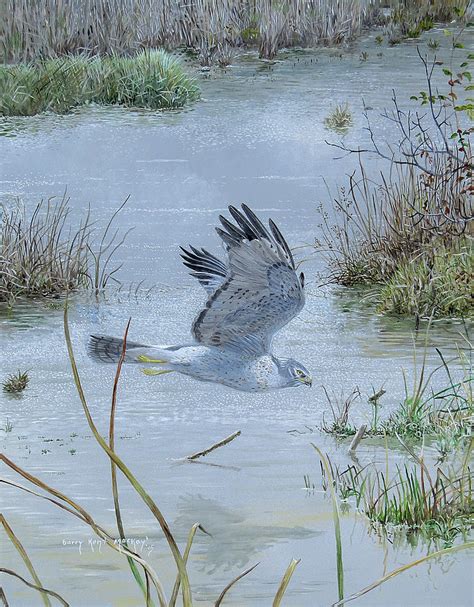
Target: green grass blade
(113,472)
(192,533)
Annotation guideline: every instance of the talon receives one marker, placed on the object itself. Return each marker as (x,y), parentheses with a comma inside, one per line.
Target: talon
(145,359)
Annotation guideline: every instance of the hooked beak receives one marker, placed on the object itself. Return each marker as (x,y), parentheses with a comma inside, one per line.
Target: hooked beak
(307,380)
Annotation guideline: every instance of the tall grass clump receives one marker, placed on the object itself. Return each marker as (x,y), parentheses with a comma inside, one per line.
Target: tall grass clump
(339,119)
(436,503)
(410,234)
(151,79)
(42,253)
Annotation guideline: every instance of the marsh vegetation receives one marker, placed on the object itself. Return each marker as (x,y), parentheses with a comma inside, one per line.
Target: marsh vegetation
(410,234)
(16,382)
(438,404)
(43,254)
(339,119)
(151,79)
(409,483)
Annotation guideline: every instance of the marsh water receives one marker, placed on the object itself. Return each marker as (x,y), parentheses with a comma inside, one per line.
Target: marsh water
(257,136)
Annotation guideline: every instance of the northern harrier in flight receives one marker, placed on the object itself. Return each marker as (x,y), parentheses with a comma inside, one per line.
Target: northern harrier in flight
(251,296)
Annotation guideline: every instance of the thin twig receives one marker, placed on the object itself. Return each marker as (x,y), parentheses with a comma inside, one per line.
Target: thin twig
(221,443)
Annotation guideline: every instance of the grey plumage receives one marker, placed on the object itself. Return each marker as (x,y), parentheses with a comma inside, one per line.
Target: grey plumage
(251,297)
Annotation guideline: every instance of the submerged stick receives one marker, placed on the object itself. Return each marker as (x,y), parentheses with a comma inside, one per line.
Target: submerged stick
(221,443)
(357,438)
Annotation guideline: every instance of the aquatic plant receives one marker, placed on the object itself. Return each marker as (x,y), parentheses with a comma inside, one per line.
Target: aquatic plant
(16,382)
(7,427)
(442,415)
(149,79)
(339,119)
(340,408)
(438,503)
(42,255)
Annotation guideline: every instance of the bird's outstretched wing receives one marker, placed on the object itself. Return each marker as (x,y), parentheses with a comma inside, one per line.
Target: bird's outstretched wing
(208,269)
(260,293)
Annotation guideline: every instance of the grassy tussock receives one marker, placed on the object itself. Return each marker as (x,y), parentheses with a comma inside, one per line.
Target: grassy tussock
(42,254)
(438,282)
(150,79)
(16,382)
(394,235)
(436,503)
(339,119)
(37,256)
(443,415)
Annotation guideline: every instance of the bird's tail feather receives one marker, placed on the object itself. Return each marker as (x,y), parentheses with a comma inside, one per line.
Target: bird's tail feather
(106,349)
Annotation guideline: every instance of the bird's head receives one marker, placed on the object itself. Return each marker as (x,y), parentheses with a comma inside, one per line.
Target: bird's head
(295,373)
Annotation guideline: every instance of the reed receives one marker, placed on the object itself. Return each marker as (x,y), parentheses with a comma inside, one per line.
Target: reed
(211,27)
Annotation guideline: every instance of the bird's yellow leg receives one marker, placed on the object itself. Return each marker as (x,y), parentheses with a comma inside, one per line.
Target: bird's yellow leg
(156,371)
(145,359)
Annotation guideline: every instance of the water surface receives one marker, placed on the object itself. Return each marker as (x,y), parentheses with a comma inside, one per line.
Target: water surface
(257,137)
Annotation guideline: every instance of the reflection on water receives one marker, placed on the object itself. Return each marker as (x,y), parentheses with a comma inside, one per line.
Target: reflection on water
(258,137)
(235,540)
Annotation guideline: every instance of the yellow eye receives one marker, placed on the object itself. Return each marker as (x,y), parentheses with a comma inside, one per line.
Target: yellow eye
(299,372)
